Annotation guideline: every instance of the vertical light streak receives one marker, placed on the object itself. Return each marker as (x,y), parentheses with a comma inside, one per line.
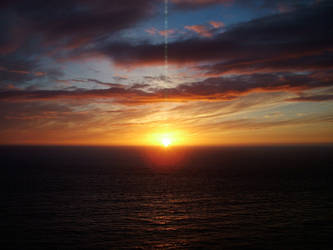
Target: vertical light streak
(166,26)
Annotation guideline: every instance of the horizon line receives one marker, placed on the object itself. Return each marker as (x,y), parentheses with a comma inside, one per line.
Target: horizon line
(173,146)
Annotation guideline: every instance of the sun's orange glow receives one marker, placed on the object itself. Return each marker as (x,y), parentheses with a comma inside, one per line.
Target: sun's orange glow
(166,137)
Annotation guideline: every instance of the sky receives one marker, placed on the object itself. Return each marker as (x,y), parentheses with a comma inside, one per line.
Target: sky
(80,72)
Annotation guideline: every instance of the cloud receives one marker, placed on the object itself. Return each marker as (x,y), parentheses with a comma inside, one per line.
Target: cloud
(270,41)
(258,4)
(69,23)
(199,29)
(253,124)
(190,4)
(292,63)
(212,89)
(18,70)
(217,24)
(98,82)
(23,72)
(34,33)
(152,31)
(207,30)
(312,98)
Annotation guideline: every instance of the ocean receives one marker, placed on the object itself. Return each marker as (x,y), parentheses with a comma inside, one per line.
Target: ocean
(276,197)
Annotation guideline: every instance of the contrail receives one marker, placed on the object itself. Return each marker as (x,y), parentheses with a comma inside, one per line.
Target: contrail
(166,26)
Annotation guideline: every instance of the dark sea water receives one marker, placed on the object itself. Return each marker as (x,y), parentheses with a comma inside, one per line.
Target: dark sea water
(201,198)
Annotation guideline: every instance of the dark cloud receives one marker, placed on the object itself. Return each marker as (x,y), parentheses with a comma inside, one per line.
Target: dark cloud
(98,82)
(270,4)
(322,61)
(269,40)
(18,70)
(212,89)
(37,29)
(73,22)
(270,44)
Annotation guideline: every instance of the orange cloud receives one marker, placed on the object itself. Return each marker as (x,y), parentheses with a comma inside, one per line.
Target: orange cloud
(199,29)
(166,32)
(216,24)
(153,31)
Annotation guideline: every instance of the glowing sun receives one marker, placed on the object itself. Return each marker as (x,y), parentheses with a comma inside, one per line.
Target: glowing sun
(166,142)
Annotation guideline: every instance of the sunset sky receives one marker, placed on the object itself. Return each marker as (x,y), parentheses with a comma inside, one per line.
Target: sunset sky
(93,72)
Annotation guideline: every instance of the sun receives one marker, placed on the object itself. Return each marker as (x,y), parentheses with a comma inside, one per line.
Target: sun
(166,142)
(165,139)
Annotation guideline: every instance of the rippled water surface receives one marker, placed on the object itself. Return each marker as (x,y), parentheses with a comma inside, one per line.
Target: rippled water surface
(210,198)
